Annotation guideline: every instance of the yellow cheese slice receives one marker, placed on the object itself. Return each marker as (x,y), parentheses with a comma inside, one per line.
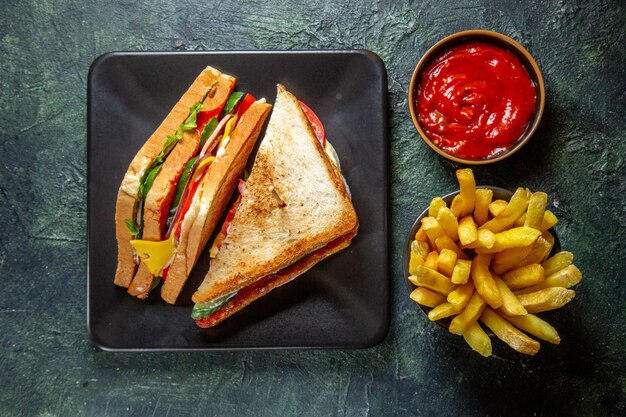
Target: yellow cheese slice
(155,254)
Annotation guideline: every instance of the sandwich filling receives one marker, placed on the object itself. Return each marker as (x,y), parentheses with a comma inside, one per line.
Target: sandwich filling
(211,312)
(213,129)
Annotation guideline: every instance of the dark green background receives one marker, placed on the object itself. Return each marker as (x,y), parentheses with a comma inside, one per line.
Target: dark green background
(48,367)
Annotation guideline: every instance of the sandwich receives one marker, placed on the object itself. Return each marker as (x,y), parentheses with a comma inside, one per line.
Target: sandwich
(293,211)
(180,182)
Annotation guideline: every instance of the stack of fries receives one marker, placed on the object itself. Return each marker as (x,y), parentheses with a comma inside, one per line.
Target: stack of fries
(487,261)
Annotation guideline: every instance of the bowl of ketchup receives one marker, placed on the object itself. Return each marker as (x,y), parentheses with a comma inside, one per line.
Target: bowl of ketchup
(476,97)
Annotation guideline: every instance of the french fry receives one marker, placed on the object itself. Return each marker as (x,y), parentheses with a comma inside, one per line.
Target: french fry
(467,185)
(468,232)
(481,205)
(535,326)
(457,205)
(566,278)
(448,222)
(446,262)
(521,221)
(435,204)
(432,228)
(432,280)
(486,239)
(559,261)
(546,299)
(461,296)
(523,277)
(539,250)
(420,247)
(461,272)
(516,207)
(513,238)
(441,312)
(496,207)
(414,261)
(477,339)
(421,235)
(536,209)
(509,334)
(549,220)
(484,282)
(472,312)
(445,242)
(508,258)
(426,297)
(510,304)
(432,261)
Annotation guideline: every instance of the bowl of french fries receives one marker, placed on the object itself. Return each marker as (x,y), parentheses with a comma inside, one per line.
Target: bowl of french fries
(485,260)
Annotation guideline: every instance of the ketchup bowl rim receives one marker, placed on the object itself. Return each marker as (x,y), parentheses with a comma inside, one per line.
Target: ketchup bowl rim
(502,41)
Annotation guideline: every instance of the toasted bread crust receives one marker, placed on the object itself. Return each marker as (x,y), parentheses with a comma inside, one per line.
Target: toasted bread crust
(127,194)
(284,231)
(213,195)
(296,270)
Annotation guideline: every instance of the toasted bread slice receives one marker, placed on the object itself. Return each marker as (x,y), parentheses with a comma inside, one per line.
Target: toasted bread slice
(215,190)
(295,203)
(127,195)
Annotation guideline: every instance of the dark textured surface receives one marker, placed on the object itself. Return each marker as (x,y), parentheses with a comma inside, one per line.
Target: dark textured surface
(48,366)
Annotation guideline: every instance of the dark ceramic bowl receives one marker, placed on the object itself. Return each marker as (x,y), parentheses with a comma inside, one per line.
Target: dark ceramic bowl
(501,41)
(498,194)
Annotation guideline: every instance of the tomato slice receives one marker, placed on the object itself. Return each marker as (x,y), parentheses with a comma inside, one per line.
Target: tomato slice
(245,104)
(318,128)
(203,118)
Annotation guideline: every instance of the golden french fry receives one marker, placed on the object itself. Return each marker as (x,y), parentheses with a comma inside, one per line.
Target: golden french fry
(426,297)
(414,261)
(445,242)
(549,220)
(431,279)
(420,247)
(472,312)
(486,239)
(432,228)
(513,238)
(523,277)
(467,185)
(468,233)
(484,282)
(432,260)
(536,209)
(535,326)
(441,312)
(559,261)
(481,205)
(461,272)
(461,296)
(508,258)
(457,205)
(446,262)
(496,207)
(546,299)
(566,278)
(448,222)
(512,212)
(509,334)
(477,339)
(435,204)
(521,221)
(510,303)
(421,235)
(539,250)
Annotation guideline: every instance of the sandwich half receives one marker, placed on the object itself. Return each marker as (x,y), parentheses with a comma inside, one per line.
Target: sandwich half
(180,182)
(294,210)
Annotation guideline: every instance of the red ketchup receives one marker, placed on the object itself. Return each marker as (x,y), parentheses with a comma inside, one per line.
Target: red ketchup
(475,100)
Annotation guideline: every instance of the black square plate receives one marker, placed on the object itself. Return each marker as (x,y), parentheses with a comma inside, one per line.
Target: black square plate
(343,302)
